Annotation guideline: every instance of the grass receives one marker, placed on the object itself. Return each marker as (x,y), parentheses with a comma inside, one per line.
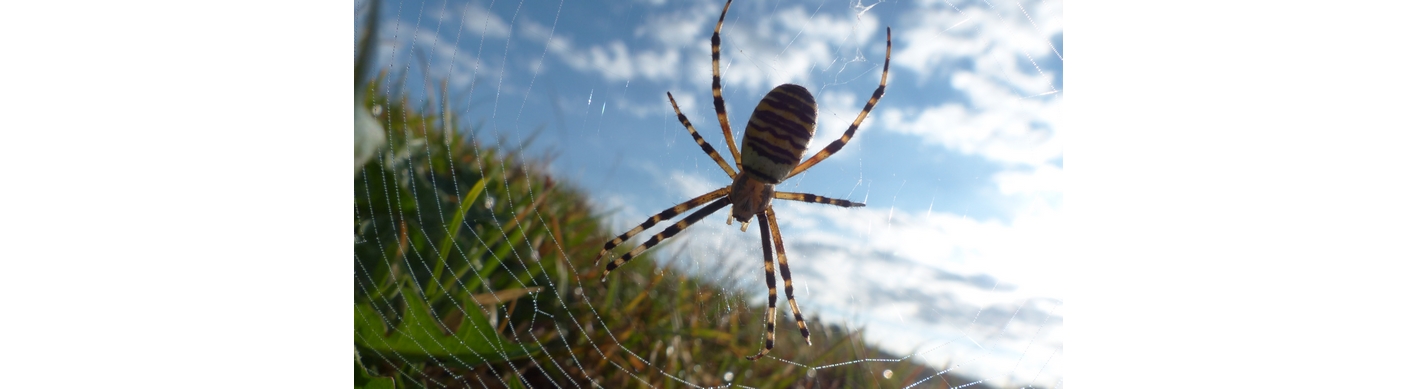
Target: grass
(473,268)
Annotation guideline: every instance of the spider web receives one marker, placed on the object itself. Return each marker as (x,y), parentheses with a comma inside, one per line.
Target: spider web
(946,271)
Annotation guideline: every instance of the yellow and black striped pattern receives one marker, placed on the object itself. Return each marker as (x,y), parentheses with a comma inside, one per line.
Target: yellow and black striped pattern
(699,139)
(669,213)
(773,145)
(718,105)
(811,198)
(663,235)
(786,275)
(772,290)
(767,222)
(778,133)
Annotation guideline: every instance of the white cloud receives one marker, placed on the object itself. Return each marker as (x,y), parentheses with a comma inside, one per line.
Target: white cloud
(538,33)
(1045,179)
(837,108)
(879,266)
(790,46)
(979,289)
(963,244)
(682,27)
(688,185)
(998,37)
(794,45)
(478,20)
(627,213)
(1010,109)
(996,124)
(613,61)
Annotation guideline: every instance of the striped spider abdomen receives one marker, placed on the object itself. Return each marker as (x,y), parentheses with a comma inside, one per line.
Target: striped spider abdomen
(778,132)
(773,144)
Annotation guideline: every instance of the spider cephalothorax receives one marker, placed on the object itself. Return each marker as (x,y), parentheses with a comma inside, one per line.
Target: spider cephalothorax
(773,146)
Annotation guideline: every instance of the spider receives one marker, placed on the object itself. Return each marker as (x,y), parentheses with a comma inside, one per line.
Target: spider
(773,144)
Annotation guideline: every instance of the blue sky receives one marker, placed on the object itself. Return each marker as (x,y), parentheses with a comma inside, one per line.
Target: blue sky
(961,163)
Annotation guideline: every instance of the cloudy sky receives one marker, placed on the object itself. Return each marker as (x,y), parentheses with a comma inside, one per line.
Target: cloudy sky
(961,163)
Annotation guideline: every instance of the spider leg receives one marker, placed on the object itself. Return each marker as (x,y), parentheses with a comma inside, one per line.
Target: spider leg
(786,275)
(718,92)
(666,234)
(669,213)
(772,289)
(811,198)
(700,140)
(836,145)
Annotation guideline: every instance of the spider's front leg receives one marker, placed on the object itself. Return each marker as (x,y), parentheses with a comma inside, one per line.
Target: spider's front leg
(666,214)
(664,235)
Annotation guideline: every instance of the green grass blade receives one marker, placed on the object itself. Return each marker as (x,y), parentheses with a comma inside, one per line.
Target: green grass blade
(453,228)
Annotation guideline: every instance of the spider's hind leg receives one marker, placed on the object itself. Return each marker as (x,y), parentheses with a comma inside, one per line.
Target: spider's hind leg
(786,275)
(767,222)
(772,288)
